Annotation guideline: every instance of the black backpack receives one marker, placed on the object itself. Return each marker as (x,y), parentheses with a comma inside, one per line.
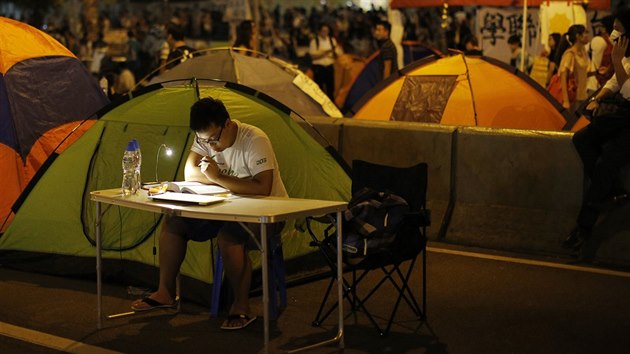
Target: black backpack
(371,222)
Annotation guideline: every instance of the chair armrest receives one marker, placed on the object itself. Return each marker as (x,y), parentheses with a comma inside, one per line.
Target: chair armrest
(327,219)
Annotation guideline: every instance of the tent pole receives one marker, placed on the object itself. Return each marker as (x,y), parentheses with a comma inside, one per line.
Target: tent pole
(524,37)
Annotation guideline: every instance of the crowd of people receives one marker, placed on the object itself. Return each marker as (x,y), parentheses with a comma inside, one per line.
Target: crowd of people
(131,46)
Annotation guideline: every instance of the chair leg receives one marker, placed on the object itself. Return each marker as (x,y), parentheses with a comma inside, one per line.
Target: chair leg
(404,293)
(277,283)
(216,285)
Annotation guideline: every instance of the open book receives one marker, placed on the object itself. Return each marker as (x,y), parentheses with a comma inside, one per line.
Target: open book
(196,188)
(187,197)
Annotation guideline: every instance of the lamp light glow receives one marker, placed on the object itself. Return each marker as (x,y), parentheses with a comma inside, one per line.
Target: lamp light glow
(168,152)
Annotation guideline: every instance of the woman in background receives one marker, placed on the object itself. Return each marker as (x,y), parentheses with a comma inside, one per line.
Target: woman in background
(246,36)
(554,60)
(575,61)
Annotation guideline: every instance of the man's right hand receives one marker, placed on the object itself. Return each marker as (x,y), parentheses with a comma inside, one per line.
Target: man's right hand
(209,168)
(592,106)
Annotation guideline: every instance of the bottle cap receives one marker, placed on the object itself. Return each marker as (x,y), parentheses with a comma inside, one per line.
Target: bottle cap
(131,146)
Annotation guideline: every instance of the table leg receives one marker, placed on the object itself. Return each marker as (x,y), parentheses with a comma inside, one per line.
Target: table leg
(340,281)
(340,334)
(99,301)
(265,282)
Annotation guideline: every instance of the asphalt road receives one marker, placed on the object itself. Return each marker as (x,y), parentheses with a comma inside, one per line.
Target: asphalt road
(477,303)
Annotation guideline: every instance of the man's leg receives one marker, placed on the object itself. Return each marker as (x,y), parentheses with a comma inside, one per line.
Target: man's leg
(615,154)
(238,270)
(588,145)
(171,254)
(330,82)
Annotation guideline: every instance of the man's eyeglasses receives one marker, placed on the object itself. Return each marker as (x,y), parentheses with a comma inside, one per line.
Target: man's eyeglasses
(209,141)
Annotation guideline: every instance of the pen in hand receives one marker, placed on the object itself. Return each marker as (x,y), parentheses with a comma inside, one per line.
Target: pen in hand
(205,159)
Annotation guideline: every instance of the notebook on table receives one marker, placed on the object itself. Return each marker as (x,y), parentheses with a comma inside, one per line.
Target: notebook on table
(200,199)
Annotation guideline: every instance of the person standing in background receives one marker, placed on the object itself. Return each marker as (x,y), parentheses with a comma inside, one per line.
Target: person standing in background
(575,61)
(514,42)
(180,52)
(600,50)
(388,57)
(554,59)
(246,36)
(324,50)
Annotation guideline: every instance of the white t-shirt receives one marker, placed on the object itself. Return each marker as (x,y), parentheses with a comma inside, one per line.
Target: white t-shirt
(324,45)
(613,85)
(250,154)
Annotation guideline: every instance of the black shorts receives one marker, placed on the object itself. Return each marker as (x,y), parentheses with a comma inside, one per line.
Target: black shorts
(202,230)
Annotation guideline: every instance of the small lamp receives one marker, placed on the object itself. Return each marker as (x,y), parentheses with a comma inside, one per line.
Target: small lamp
(168,152)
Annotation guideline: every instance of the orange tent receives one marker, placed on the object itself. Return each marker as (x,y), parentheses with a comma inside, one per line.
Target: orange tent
(459,90)
(45,94)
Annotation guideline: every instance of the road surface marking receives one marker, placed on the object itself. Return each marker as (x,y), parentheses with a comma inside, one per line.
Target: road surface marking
(50,341)
(531,262)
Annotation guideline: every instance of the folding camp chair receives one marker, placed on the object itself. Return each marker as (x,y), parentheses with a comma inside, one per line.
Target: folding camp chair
(410,240)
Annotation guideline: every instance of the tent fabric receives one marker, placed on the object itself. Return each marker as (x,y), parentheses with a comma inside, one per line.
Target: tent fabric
(56,221)
(369,75)
(347,68)
(503,96)
(415,50)
(45,94)
(270,75)
(428,108)
(398,4)
(367,78)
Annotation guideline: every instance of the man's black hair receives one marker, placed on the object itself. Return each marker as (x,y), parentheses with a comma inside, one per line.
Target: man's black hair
(176,31)
(207,112)
(385,24)
(606,22)
(623,16)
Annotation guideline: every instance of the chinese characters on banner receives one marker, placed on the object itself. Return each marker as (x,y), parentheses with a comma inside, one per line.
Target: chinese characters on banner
(496,25)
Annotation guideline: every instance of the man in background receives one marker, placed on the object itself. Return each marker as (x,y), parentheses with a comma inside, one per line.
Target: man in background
(180,52)
(388,58)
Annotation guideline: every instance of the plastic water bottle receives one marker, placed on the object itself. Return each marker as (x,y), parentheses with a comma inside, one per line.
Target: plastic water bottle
(131,169)
(138,165)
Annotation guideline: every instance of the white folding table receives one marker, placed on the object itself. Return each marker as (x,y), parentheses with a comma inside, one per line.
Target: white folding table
(251,209)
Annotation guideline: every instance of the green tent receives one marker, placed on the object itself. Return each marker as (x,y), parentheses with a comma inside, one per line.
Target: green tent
(53,231)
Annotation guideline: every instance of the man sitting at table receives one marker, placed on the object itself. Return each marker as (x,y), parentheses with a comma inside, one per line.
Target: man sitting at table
(236,156)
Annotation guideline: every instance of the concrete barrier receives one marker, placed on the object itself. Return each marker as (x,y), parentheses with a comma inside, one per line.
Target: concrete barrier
(509,189)
(518,190)
(403,144)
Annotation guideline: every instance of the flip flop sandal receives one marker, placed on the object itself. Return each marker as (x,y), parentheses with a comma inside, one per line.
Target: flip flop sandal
(152,305)
(238,317)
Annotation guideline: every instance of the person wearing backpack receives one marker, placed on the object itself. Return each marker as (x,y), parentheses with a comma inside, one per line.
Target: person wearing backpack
(324,50)
(180,52)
